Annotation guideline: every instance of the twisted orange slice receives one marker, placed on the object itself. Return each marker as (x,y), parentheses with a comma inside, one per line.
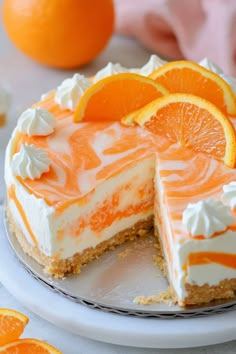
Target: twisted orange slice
(129,119)
(115,96)
(12,324)
(28,346)
(193,122)
(187,77)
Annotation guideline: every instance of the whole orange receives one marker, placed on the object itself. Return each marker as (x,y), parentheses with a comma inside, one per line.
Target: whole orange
(59,33)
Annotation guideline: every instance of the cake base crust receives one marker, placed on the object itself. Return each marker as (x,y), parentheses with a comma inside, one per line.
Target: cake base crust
(60,267)
(206,293)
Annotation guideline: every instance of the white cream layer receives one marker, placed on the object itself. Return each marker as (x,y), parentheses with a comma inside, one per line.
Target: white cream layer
(46,232)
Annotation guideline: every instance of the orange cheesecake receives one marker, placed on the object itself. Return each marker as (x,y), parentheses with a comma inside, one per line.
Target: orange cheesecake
(76,189)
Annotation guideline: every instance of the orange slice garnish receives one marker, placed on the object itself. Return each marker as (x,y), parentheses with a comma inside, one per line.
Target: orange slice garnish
(187,77)
(12,324)
(193,122)
(115,96)
(129,119)
(28,346)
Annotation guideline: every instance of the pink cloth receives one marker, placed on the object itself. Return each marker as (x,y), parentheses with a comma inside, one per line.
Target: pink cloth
(176,29)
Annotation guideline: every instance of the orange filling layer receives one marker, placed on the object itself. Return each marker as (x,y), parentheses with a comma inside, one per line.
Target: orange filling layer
(12,195)
(202,258)
(108,212)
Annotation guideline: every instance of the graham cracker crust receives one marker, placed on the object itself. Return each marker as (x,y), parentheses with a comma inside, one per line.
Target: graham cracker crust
(206,293)
(61,267)
(164,296)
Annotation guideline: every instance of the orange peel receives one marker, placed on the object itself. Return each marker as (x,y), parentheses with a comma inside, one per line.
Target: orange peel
(188,77)
(193,122)
(115,96)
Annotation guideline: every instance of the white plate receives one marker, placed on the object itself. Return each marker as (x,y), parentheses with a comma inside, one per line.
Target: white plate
(109,327)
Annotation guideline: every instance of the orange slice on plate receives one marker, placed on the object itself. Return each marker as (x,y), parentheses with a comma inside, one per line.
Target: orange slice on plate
(187,77)
(115,96)
(28,346)
(12,325)
(193,122)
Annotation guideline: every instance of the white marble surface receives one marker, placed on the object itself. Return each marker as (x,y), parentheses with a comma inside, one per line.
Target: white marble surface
(27,80)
